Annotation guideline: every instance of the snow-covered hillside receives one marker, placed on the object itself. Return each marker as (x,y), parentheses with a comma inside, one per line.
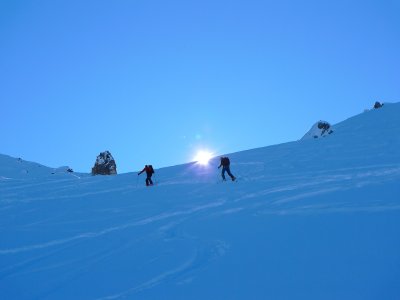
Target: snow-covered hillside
(17,168)
(313,219)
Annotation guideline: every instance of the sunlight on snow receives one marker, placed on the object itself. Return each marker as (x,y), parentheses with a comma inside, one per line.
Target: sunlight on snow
(202,157)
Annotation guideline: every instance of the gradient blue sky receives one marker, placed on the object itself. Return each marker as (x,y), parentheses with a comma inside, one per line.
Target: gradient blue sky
(153,81)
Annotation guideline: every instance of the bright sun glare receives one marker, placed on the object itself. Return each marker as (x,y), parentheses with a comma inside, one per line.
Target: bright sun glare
(202,157)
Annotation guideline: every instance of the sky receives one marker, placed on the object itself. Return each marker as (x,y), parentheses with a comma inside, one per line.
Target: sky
(154,82)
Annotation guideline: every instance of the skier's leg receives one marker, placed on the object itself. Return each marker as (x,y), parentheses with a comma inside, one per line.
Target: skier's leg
(223,173)
(228,170)
(151,181)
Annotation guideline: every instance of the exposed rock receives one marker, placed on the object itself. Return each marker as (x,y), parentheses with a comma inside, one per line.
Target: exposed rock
(378,105)
(319,129)
(105,164)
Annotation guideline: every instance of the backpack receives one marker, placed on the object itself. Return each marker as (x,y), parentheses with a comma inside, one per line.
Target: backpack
(151,169)
(225,161)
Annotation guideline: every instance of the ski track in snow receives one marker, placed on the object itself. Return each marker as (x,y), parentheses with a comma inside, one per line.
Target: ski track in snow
(200,258)
(260,195)
(152,282)
(88,235)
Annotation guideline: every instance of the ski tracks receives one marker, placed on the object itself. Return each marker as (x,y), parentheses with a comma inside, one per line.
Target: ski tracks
(202,255)
(89,235)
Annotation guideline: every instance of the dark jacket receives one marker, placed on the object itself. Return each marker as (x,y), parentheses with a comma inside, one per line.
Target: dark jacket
(224,162)
(148,169)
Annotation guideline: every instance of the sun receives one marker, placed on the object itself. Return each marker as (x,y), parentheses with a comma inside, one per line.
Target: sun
(202,157)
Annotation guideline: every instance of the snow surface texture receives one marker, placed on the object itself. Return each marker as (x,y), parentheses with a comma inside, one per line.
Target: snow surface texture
(314,219)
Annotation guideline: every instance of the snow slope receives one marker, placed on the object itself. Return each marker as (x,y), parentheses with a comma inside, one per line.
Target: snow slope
(17,168)
(313,219)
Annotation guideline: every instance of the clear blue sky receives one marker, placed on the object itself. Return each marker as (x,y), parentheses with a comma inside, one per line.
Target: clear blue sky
(153,81)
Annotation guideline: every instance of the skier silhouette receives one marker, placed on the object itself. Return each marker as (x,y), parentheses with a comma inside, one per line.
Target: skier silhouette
(149,172)
(225,164)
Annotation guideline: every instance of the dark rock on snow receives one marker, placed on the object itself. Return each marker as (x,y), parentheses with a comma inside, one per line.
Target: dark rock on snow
(105,164)
(319,129)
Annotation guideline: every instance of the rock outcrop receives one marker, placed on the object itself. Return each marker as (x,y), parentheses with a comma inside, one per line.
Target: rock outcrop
(105,164)
(319,129)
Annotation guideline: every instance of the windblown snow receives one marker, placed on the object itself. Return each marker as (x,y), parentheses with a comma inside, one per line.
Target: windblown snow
(313,219)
